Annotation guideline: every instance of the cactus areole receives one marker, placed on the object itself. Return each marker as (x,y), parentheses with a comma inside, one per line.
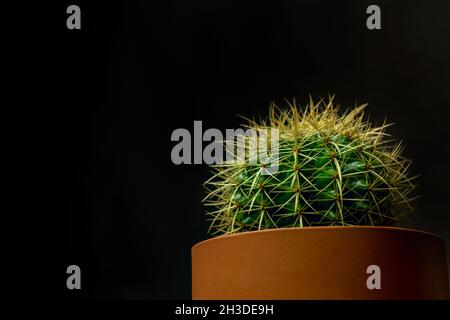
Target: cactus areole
(334,169)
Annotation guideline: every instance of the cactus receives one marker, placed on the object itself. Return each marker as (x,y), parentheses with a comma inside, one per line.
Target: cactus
(335,169)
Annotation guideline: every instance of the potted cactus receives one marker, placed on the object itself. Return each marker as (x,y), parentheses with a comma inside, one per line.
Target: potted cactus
(322,225)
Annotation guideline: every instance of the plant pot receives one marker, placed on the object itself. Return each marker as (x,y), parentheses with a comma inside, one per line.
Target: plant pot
(321,263)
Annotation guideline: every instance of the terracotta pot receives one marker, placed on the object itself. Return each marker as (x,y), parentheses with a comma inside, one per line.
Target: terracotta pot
(321,263)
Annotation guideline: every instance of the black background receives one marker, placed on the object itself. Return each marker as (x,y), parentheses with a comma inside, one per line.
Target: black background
(137,70)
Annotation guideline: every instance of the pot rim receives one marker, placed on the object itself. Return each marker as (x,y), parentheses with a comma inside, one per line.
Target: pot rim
(318,228)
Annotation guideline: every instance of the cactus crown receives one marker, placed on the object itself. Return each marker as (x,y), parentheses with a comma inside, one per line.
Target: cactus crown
(334,169)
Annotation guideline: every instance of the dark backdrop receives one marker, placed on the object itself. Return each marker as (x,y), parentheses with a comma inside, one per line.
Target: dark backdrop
(137,70)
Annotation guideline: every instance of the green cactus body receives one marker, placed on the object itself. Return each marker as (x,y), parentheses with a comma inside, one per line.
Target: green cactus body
(334,169)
